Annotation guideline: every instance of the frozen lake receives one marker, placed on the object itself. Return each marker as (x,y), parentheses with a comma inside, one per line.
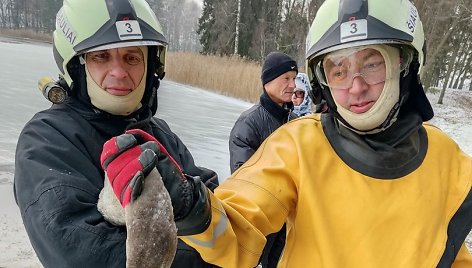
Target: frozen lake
(202,119)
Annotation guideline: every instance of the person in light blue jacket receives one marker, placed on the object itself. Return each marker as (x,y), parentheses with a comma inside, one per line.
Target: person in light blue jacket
(300,98)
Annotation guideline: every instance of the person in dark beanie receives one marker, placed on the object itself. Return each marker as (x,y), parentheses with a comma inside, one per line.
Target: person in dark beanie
(254,125)
(274,108)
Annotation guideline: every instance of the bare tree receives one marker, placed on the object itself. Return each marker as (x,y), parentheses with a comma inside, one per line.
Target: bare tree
(238,20)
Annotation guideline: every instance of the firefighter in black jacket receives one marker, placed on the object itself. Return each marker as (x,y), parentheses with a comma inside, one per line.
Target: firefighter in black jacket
(111,56)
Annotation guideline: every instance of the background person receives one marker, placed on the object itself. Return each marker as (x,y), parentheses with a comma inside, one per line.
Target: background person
(274,108)
(297,97)
(301,96)
(111,56)
(254,125)
(383,194)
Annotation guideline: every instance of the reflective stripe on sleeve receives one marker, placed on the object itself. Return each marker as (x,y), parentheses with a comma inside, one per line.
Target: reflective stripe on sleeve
(217,231)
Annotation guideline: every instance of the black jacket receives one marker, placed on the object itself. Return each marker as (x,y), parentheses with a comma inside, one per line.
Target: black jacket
(58,179)
(254,126)
(250,130)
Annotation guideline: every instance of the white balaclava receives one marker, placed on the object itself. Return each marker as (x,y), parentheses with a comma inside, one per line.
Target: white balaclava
(302,83)
(367,123)
(117,105)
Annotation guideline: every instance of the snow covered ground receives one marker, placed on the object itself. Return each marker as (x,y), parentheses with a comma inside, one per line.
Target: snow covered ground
(202,120)
(454,117)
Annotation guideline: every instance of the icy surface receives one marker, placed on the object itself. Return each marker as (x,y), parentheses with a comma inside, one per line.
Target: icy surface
(202,120)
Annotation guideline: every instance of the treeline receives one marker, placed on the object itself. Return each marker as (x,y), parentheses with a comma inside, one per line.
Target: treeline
(177,17)
(253,28)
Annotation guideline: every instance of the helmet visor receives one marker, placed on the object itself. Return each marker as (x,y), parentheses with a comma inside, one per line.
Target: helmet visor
(339,68)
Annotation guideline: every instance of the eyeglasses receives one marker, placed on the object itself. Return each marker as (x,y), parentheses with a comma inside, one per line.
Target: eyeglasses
(339,68)
(299,94)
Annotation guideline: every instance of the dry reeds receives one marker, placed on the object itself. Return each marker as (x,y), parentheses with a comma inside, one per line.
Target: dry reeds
(232,76)
(26,34)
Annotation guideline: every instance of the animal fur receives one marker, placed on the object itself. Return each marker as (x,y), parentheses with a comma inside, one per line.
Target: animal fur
(151,232)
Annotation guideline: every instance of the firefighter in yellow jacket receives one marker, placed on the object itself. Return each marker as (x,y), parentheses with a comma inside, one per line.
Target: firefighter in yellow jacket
(368,184)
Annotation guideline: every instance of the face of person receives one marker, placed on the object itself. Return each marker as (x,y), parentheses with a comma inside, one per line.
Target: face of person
(118,71)
(297,97)
(356,80)
(280,90)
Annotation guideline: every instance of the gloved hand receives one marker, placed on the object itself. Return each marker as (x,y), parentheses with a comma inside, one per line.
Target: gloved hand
(189,196)
(127,161)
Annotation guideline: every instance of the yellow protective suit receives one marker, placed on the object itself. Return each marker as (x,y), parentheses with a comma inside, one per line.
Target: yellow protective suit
(338,217)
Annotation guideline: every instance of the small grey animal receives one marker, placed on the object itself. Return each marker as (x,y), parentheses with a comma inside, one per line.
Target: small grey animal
(151,232)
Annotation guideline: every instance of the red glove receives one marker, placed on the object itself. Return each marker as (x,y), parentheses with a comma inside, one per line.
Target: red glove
(181,190)
(128,159)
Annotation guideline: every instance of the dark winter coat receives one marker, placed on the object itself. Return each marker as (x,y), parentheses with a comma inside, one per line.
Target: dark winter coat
(250,130)
(254,126)
(58,179)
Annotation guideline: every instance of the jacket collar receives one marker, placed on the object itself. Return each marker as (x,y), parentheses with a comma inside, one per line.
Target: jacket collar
(281,113)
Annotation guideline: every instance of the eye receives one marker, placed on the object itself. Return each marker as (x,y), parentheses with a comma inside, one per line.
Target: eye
(133,59)
(372,66)
(373,62)
(338,73)
(99,56)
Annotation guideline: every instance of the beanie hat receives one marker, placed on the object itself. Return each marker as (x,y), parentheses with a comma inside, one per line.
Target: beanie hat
(276,64)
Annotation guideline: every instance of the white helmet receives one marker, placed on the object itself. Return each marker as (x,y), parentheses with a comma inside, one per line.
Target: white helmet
(355,23)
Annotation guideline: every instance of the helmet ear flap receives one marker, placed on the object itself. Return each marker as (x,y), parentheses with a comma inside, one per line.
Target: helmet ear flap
(153,77)
(412,89)
(153,102)
(76,71)
(160,60)
(316,94)
(160,71)
(155,63)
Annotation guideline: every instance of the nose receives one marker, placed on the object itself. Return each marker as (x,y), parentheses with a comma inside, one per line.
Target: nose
(117,69)
(292,83)
(358,85)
